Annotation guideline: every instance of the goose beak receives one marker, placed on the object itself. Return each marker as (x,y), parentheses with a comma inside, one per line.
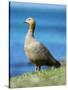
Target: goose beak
(26,21)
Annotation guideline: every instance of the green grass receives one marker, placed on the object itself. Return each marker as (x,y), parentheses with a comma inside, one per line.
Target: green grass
(49,77)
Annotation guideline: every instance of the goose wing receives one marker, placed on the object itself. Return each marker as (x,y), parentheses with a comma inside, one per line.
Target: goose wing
(40,54)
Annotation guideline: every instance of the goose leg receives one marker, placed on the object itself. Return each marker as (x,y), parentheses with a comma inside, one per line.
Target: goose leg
(37,67)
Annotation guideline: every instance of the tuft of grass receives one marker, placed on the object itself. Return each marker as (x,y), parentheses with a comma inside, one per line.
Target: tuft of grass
(49,77)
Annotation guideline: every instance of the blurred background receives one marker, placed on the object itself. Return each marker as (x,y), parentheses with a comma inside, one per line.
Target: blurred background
(50,30)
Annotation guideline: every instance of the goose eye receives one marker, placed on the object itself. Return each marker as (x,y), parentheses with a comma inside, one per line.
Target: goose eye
(29,19)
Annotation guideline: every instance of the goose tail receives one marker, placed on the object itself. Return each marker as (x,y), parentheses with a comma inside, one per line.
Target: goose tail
(57,64)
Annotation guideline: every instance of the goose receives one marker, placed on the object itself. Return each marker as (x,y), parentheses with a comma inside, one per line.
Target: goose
(36,52)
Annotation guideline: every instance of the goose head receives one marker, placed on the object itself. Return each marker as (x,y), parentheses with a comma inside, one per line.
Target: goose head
(31,22)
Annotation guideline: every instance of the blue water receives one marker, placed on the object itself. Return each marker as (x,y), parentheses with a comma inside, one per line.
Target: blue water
(50,30)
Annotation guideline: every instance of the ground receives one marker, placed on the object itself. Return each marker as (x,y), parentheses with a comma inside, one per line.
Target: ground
(50,77)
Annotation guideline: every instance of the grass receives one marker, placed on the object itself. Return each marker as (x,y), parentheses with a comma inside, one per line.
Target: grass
(49,77)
